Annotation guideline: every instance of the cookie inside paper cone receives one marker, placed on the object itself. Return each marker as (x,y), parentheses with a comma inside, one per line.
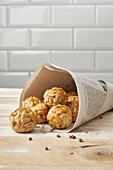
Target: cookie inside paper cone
(58,108)
(55,109)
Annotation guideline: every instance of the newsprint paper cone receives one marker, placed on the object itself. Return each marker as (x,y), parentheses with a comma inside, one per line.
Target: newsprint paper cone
(95,97)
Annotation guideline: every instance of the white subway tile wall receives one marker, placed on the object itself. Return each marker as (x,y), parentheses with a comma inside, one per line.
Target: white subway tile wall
(2,16)
(94,39)
(11,38)
(27,60)
(29,16)
(104,16)
(80,60)
(94,2)
(73,16)
(45,38)
(104,61)
(8,2)
(13,80)
(51,2)
(74,34)
(3,60)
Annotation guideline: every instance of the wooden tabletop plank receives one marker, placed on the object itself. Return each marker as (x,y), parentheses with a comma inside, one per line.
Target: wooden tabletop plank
(17,152)
(62,152)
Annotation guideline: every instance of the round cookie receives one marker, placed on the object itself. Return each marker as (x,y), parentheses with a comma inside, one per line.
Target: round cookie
(22,120)
(73,104)
(72,93)
(30,102)
(55,96)
(41,111)
(59,116)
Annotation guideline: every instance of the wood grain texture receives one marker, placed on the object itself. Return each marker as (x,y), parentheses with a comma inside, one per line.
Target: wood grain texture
(17,152)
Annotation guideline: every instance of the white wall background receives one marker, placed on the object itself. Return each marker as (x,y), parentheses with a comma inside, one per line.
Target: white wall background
(75,34)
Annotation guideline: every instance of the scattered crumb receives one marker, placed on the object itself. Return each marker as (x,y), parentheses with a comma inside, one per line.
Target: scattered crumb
(85,131)
(100,117)
(71,153)
(51,130)
(58,136)
(72,137)
(80,140)
(30,138)
(43,131)
(46,148)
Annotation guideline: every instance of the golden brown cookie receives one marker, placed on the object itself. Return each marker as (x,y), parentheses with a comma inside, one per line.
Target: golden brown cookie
(30,102)
(55,96)
(22,120)
(59,116)
(72,93)
(41,111)
(73,104)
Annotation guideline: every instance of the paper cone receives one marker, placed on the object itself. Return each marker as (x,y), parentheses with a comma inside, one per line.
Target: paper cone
(95,97)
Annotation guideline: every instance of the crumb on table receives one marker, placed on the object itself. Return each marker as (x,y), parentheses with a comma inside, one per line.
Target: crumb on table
(46,148)
(30,138)
(80,140)
(58,136)
(72,137)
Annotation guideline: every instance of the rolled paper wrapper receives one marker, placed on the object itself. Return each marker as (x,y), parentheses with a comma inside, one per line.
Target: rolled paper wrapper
(95,97)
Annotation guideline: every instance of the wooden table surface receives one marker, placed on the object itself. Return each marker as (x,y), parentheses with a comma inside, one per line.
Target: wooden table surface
(17,152)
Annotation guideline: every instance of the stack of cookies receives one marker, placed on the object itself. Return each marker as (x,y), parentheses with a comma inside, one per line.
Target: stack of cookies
(58,108)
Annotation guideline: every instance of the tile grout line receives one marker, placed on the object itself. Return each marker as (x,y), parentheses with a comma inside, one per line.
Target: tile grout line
(7,61)
(50,8)
(7,17)
(34,4)
(57,28)
(73,39)
(5,26)
(95,16)
(70,4)
(94,27)
(29,39)
(36,49)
